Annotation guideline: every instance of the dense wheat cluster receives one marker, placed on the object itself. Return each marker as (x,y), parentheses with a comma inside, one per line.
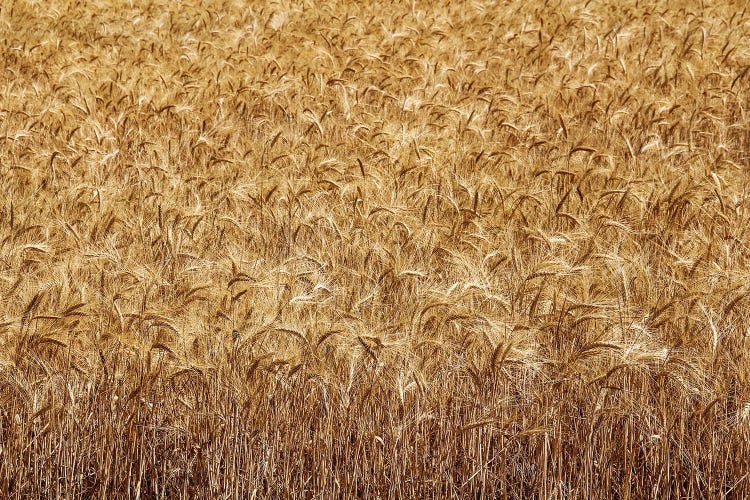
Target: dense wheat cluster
(376,250)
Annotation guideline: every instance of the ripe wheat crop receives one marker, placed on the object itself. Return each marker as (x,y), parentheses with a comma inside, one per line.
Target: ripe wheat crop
(480,249)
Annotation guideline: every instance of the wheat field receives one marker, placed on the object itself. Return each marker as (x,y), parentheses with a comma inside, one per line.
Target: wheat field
(481,249)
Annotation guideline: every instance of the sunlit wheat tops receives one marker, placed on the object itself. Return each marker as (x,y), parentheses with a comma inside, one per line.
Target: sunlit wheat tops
(374,249)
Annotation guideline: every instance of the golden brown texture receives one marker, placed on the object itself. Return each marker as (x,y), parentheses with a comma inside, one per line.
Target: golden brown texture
(373,249)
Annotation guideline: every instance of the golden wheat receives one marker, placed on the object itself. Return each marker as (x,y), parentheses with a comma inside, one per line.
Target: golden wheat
(367,249)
